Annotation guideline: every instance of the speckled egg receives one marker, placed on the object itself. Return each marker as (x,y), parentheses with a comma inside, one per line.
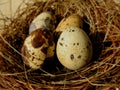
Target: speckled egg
(38,46)
(44,20)
(72,20)
(74,48)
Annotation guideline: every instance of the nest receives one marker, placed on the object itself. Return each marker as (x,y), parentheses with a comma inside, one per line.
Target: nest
(101,23)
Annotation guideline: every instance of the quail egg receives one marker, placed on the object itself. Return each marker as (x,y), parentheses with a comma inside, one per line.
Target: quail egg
(44,20)
(74,48)
(72,20)
(38,46)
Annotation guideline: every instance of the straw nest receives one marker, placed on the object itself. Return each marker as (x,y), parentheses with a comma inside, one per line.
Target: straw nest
(101,23)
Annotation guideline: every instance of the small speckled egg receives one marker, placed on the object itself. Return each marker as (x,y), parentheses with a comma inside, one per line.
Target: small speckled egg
(74,48)
(44,20)
(38,46)
(72,20)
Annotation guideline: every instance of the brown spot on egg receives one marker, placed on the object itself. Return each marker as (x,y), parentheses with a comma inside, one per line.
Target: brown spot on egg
(61,44)
(38,65)
(73,30)
(46,33)
(77,43)
(49,36)
(71,56)
(73,43)
(38,39)
(33,58)
(44,50)
(79,56)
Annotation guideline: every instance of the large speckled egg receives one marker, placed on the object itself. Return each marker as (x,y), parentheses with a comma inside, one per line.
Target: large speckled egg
(38,46)
(74,48)
(72,20)
(44,20)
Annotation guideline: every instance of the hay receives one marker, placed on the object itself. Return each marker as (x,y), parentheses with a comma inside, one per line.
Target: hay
(101,23)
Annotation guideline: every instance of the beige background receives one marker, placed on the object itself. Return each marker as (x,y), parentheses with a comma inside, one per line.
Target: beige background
(9,7)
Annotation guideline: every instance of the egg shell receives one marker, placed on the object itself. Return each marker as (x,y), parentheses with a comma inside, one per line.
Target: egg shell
(72,20)
(43,20)
(36,46)
(74,48)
